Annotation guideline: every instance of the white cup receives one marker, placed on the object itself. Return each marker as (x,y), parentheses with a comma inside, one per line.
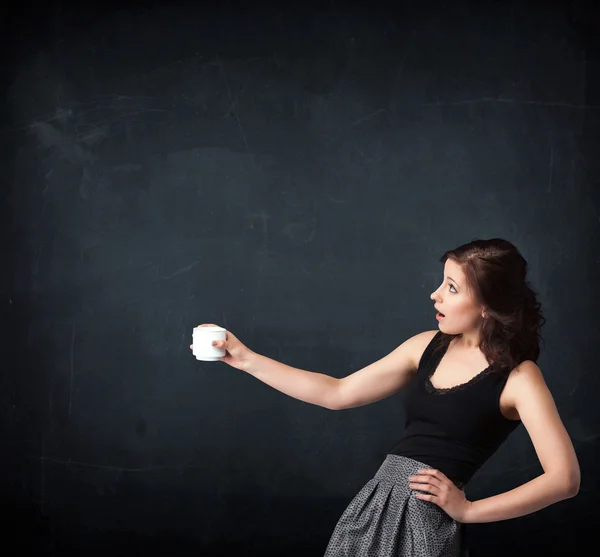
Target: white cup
(202,338)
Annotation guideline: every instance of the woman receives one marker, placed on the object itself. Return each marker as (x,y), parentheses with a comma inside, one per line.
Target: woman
(470,384)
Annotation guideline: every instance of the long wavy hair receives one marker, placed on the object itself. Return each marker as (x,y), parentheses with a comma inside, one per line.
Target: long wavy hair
(497,275)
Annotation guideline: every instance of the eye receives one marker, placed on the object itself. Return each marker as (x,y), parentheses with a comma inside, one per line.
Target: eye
(455,291)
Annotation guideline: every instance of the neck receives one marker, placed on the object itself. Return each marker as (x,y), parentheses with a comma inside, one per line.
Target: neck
(470,340)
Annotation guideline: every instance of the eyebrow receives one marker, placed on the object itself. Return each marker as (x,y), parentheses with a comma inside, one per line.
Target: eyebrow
(453,280)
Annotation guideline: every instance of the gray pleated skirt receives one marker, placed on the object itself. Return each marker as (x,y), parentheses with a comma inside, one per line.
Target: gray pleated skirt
(385,519)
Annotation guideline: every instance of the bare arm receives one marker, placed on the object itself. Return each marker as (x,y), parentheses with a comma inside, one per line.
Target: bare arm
(377,381)
(384,377)
(308,386)
(529,394)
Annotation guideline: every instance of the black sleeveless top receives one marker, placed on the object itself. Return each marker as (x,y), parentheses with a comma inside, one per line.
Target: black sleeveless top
(454,430)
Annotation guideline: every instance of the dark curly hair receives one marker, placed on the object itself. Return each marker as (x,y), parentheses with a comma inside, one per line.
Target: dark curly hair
(496,274)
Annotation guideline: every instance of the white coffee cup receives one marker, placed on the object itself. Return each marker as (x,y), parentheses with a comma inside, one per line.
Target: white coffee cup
(202,339)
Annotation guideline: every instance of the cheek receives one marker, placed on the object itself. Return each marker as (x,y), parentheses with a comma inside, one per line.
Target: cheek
(461,309)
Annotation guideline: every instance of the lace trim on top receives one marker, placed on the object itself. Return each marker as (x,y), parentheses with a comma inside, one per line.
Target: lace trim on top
(430,388)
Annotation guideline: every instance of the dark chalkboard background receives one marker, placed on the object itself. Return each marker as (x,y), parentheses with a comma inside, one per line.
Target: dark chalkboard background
(293,174)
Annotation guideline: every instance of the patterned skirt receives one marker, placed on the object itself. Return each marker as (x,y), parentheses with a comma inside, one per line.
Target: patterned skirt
(385,519)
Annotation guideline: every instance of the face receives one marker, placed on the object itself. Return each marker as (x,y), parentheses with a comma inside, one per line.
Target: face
(462,315)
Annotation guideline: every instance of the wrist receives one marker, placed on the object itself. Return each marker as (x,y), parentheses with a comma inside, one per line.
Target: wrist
(469,514)
(250,362)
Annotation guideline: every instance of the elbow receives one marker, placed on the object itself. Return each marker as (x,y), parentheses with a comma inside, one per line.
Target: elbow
(571,491)
(565,484)
(333,405)
(572,485)
(333,400)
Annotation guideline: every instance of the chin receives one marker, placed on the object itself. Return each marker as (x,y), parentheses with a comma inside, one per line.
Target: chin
(444,329)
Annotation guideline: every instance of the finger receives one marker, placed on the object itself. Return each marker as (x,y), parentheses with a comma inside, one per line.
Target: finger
(428,471)
(208,325)
(432,472)
(428,476)
(430,480)
(219,343)
(427,497)
(429,488)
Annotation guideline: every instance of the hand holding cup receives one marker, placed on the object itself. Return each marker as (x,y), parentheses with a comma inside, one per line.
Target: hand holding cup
(213,343)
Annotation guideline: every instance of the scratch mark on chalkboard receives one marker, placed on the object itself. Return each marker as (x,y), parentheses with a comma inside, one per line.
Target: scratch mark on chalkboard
(336,200)
(122,97)
(181,270)
(52,138)
(377,160)
(42,474)
(36,266)
(234,104)
(591,205)
(383,236)
(551,165)
(434,278)
(512,101)
(264,218)
(77,110)
(127,167)
(406,52)
(181,343)
(231,100)
(71,362)
(362,154)
(119,468)
(93,134)
(231,109)
(368,117)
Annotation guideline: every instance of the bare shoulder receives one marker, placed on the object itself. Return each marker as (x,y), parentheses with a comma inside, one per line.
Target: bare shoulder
(419,342)
(523,379)
(529,395)
(384,377)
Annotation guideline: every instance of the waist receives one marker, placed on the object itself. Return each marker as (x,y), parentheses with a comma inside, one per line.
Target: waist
(458,462)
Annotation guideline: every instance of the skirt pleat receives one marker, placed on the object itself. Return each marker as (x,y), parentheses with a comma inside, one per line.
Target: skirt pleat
(385,519)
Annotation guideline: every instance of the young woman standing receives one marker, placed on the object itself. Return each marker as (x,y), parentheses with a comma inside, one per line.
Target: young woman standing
(470,383)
